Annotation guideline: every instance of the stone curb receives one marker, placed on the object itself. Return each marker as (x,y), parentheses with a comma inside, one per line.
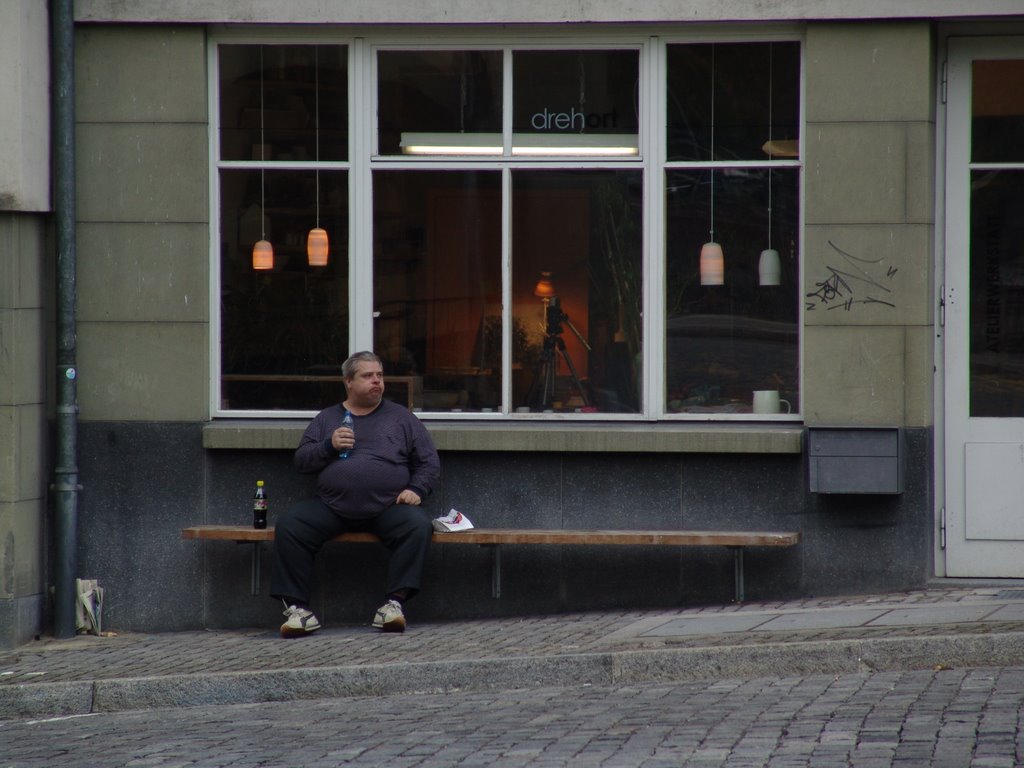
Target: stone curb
(602,668)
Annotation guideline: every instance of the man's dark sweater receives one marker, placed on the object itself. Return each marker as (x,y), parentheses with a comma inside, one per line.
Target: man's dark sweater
(393,451)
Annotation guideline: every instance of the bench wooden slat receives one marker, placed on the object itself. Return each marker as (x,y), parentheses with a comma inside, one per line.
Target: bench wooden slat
(536,536)
(494,537)
(626,538)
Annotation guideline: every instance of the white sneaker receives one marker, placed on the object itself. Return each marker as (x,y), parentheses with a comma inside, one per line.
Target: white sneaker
(300,622)
(389,617)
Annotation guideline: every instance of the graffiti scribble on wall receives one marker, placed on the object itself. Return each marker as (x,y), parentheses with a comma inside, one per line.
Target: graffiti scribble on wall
(859,282)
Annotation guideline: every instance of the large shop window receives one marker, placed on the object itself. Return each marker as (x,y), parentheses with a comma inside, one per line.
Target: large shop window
(570,340)
(502,202)
(574,325)
(283,147)
(732,190)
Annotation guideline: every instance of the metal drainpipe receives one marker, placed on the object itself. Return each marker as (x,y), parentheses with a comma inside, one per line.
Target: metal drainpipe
(65,483)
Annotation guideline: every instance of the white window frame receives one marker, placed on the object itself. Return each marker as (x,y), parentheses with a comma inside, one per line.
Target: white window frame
(664,166)
(362,161)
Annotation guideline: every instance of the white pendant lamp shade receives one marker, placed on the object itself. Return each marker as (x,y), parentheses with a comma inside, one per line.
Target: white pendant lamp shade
(263,255)
(712,264)
(769,269)
(316,247)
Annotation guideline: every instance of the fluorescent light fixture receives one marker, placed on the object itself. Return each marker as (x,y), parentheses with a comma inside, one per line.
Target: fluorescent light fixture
(523,144)
(590,144)
(451,144)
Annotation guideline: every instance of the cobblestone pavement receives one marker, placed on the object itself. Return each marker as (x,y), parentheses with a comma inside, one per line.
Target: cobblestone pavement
(950,718)
(129,655)
(951,625)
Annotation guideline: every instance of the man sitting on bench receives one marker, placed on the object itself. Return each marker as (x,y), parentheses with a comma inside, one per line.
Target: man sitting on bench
(371,477)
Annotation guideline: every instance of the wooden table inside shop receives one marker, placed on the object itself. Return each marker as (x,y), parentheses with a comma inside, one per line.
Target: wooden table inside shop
(413,384)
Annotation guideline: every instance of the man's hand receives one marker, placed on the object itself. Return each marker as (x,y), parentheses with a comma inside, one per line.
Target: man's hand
(342,439)
(408,497)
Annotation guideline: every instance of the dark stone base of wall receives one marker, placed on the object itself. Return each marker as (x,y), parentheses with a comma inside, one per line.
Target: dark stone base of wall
(20,620)
(142,483)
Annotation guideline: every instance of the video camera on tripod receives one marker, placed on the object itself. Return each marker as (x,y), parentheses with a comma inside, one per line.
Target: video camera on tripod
(543,387)
(554,320)
(554,317)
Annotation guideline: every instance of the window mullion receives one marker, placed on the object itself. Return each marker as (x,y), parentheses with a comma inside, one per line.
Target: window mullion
(506,288)
(653,399)
(506,233)
(360,287)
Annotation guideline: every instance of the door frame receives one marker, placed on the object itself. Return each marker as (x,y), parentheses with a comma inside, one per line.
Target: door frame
(994,38)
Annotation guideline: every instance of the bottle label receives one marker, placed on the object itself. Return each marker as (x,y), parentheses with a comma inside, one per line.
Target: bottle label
(259,504)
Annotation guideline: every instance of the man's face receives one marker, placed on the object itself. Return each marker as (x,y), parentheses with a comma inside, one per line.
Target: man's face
(366,387)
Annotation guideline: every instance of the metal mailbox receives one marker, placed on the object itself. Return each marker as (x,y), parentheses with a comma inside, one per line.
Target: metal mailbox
(855,459)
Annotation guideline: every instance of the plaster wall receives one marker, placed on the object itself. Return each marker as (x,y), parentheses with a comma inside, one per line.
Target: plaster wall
(25,117)
(530,11)
(869,197)
(143,223)
(24,199)
(24,460)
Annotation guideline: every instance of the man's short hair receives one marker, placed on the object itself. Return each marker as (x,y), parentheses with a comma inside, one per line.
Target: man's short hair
(348,368)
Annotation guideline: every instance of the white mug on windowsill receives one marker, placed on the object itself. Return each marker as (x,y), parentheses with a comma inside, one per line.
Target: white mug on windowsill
(768,401)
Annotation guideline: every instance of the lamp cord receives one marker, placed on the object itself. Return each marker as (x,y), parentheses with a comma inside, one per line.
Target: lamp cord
(263,159)
(771,62)
(316,121)
(712,142)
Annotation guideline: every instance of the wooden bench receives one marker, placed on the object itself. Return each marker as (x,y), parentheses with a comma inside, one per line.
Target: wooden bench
(494,538)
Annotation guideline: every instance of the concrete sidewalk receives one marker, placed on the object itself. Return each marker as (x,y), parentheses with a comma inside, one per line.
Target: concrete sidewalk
(950,624)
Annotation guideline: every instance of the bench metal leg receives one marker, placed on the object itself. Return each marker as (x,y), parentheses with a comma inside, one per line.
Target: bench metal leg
(737,567)
(254,587)
(495,569)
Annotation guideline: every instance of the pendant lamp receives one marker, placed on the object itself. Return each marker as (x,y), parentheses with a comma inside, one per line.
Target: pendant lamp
(262,255)
(712,264)
(712,259)
(317,247)
(769,268)
(316,242)
(262,251)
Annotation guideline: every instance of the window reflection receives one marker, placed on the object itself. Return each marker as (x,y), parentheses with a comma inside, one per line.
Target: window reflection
(733,101)
(283,102)
(575,102)
(997,293)
(284,332)
(726,341)
(997,111)
(578,349)
(541,218)
(437,286)
(449,100)
(732,274)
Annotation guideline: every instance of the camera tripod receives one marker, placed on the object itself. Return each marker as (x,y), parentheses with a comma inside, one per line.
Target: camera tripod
(543,388)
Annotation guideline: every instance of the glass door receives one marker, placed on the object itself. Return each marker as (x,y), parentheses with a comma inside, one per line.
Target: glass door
(984,301)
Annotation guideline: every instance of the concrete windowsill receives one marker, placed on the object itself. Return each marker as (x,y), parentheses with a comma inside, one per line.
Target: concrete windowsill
(506,436)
